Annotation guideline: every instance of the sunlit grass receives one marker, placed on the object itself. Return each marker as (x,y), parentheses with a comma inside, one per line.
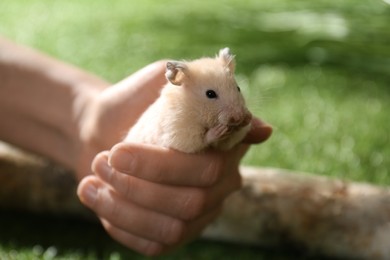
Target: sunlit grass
(327,121)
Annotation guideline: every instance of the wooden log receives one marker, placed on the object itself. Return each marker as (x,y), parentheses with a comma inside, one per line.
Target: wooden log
(322,215)
(32,183)
(274,208)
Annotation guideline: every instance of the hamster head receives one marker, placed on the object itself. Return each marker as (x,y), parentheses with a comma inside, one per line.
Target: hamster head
(209,90)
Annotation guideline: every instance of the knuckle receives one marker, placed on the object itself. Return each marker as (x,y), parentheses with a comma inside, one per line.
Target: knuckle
(194,205)
(132,162)
(173,232)
(130,186)
(160,64)
(213,171)
(113,210)
(158,173)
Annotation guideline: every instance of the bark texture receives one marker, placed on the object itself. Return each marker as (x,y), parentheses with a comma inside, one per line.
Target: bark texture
(325,216)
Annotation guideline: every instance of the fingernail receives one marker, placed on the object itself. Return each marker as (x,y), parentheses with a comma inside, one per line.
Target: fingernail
(89,194)
(122,160)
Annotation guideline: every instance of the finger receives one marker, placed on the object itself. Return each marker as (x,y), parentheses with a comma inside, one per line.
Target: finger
(153,248)
(107,204)
(139,244)
(200,224)
(235,155)
(167,166)
(259,132)
(196,228)
(186,203)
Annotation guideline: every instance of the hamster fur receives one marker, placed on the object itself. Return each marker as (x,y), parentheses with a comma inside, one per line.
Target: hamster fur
(200,107)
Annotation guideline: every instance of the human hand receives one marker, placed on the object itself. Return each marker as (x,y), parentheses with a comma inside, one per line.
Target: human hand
(108,114)
(154,199)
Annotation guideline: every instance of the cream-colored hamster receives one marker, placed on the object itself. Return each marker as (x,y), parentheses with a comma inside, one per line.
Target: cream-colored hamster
(200,107)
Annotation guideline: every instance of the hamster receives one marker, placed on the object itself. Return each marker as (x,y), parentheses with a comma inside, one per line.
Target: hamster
(199,108)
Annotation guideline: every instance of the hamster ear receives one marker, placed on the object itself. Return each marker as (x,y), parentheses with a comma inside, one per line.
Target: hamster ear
(227,58)
(175,72)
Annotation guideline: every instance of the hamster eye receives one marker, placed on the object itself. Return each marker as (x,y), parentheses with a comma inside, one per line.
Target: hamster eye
(239,90)
(211,94)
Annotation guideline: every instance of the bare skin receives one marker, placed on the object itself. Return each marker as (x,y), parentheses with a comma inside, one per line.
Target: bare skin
(148,198)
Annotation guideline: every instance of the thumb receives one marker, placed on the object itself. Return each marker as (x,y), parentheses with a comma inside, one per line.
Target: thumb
(129,98)
(259,132)
(118,107)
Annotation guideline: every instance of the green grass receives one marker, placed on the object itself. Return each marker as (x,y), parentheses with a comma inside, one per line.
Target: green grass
(25,237)
(318,71)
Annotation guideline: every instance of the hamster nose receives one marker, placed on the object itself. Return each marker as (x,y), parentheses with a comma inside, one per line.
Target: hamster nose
(240,119)
(234,120)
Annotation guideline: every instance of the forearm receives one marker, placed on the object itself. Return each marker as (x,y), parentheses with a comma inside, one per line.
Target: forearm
(41,100)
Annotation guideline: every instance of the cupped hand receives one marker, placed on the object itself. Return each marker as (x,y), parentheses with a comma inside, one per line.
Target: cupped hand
(110,113)
(153,199)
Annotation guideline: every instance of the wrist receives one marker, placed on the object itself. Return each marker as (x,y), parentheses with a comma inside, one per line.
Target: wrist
(42,102)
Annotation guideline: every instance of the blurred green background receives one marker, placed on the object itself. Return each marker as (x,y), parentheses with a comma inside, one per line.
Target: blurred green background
(318,71)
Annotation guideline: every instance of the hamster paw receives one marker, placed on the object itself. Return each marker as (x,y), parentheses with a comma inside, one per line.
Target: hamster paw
(216,133)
